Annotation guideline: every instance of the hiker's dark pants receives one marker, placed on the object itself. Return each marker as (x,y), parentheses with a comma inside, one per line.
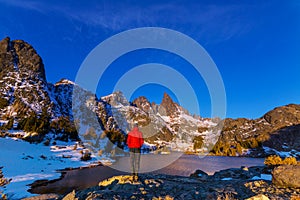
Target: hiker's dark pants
(135,156)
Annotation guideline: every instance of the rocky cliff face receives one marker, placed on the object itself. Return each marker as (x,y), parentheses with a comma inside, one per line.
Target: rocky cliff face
(60,95)
(23,84)
(20,56)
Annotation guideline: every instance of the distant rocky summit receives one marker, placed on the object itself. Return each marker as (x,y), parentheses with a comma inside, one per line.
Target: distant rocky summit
(275,132)
(64,111)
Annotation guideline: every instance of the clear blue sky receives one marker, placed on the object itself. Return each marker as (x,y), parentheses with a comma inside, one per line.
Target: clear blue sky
(255,44)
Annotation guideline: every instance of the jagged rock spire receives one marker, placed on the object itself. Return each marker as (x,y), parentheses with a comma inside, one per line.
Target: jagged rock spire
(170,107)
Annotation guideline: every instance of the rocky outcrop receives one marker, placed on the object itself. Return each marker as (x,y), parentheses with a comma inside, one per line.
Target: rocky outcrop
(286,139)
(61,95)
(71,196)
(3,180)
(286,176)
(18,55)
(143,104)
(157,186)
(44,197)
(261,187)
(199,174)
(258,197)
(284,115)
(116,99)
(243,173)
(278,129)
(23,82)
(4,45)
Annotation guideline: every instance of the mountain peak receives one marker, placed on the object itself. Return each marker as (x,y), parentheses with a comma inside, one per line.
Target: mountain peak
(22,79)
(4,45)
(142,103)
(170,107)
(19,56)
(167,98)
(116,99)
(64,81)
(282,114)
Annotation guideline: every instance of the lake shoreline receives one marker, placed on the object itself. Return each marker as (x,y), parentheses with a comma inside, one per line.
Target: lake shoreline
(237,183)
(85,177)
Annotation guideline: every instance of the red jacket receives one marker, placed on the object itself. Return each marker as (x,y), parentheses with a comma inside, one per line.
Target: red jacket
(135,138)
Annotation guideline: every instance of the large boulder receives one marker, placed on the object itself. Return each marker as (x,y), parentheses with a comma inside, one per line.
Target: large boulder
(242,173)
(258,197)
(286,176)
(199,174)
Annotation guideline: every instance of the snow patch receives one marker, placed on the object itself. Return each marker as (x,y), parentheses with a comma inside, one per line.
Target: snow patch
(226,179)
(267,177)
(24,162)
(281,153)
(28,177)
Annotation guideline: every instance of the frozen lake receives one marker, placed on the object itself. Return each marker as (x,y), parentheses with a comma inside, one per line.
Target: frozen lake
(184,165)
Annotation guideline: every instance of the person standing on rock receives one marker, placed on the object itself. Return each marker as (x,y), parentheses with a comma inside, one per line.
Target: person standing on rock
(135,141)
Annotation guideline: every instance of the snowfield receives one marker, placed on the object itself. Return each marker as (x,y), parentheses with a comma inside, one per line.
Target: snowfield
(25,163)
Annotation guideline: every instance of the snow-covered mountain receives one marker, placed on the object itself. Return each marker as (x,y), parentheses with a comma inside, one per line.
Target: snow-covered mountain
(28,102)
(25,94)
(166,124)
(182,127)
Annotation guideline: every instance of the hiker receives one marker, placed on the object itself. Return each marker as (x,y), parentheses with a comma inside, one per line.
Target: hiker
(135,141)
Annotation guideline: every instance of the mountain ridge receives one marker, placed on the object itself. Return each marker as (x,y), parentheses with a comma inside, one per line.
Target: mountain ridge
(30,103)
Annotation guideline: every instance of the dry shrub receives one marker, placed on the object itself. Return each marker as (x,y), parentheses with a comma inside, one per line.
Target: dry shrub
(273,160)
(276,160)
(289,161)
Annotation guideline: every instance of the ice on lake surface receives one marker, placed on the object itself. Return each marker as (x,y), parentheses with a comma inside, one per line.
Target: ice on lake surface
(24,163)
